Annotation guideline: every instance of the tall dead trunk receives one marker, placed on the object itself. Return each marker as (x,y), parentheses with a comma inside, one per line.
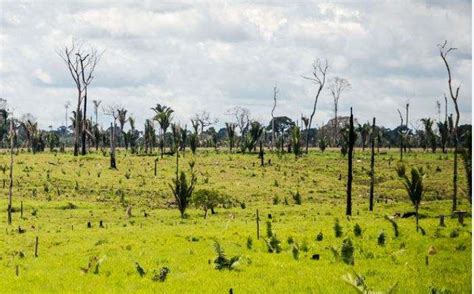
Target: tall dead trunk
(113,163)
(10,190)
(349,172)
(372,169)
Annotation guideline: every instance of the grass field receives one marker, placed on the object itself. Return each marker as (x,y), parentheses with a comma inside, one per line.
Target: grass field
(62,193)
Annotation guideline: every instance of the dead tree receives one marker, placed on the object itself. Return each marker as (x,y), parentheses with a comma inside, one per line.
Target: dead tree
(275,92)
(10,190)
(337,86)
(444,51)
(112,110)
(318,78)
(352,139)
(96,110)
(401,134)
(372,169)
(81,65)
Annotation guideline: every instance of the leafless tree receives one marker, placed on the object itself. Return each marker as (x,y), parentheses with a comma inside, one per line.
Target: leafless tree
(203,119)
(454,93)
(10,190)
(337,86)
(401,134)
(112,110)
(96,110)
(66,106)
(242,118)
(319,79)
(81,64)
(275,92)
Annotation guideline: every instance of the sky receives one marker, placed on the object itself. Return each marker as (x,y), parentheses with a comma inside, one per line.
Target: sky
(199,56)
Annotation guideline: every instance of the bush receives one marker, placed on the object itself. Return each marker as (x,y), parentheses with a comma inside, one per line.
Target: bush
(221,261)
(347,251)
(319,237)
(207,200)
(357,230)
(183,191)
(337,229)
(381,239)
(297,198)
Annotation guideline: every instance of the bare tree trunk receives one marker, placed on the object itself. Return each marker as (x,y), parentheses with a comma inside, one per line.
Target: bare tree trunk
(10,190)
(372,169)
(349,173)
(77,127)
(112,146)
(84,123)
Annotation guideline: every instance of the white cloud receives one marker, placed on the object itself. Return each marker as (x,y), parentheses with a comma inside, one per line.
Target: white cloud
(212,56)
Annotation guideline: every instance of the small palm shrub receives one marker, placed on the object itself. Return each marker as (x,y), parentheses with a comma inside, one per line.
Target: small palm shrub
(323,144)
(296,141)
(413,186)
(357,230)
(337,229)
(319,237)
(183,191)
(221,261)
(272,242)
(297,198)
(347,251)
(381,239)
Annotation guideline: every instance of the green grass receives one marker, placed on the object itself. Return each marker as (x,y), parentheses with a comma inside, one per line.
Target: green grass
(186,246)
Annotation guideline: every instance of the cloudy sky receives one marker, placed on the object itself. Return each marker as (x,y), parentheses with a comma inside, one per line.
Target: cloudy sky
(216,55)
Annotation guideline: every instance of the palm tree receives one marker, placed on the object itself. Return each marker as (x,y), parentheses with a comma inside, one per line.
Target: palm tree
(413,186)
(149,136)
(230,127)
(364,131)
(430,136)
(163,117)
(122,118)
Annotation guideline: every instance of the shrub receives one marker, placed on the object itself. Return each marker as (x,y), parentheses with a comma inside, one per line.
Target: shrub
(319,237)
(297,198)
(337,229)
(454,233)
(381,239)
(183,190)
(276,200)
(347,251)
(249,242)
(161,275)
(357,230)
(221,261)
(295,251)
(207,200)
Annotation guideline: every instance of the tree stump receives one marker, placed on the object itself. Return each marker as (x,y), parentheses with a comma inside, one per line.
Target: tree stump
(129,211)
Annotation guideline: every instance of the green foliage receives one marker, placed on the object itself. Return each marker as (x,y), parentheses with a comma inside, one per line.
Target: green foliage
(221,261)
(381,239)
(183,191)
(160,275)
(297,197)
(319,237)
(249,242)
(207,199)
(295,251)
(357,230)
(296,141)
(347,251)
(357,282)
(323,144)
(337,229)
